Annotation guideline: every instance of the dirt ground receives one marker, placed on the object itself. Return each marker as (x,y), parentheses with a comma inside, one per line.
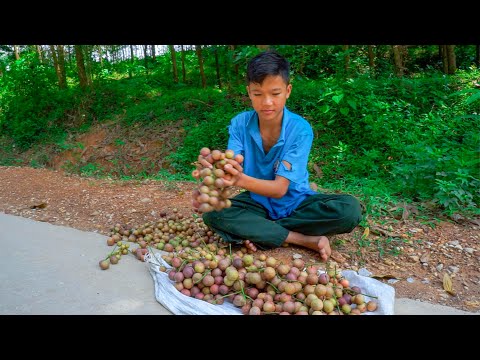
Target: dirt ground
(412,255)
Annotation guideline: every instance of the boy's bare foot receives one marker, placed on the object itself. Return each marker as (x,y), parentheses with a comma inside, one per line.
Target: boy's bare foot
(324,248)
(250,245)
(317,243)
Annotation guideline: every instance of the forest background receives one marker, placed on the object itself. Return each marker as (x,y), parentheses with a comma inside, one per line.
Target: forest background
(395,125)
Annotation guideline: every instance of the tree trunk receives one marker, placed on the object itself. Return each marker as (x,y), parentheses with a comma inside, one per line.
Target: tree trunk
(154,54)
(217,66)
(132,59)
(397,60)
(100,55)
(198,50)
(237,78)
(15,50)
(346,59)
(444,58)
(61,66)
(39,52)
(371,58)
(87,53)
(145,58)
(184,74)
(452,63)
(173,55)
(55,65)
(82,75)
(477,55)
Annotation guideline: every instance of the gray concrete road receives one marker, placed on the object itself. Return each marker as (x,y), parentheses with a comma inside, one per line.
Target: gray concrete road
(48,269)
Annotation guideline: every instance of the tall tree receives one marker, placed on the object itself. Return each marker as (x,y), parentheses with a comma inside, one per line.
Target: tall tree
(184,73)
(15,50)
(346,59)
(448,58)
(145,57)
(59,64)
(477,55)
(198,50)
(217,67)
(398,60)
(82,75)
(236,66)
(132,59)
(39,52)
(452,62)
(154,55)
(87,51)
(371,58)
(100,55)
(173,55)
(442,52)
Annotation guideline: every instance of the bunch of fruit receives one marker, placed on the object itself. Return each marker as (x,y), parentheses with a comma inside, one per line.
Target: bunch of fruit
(212,192)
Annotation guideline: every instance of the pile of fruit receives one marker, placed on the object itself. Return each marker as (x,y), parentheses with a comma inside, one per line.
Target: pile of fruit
(262,285)
(170,233)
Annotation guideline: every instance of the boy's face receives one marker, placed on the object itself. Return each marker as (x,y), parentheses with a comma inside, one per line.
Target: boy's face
(269,98)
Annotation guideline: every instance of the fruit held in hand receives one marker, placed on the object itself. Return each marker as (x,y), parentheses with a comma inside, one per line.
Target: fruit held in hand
(212,193)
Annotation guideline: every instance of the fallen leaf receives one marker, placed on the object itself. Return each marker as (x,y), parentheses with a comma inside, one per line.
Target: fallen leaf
(447,284)
(366,233)
(385,276)
(475,221)
(318,171)
(472,303)
(335,255)
(389,262)
(405,212)
(39,206)
(425,257)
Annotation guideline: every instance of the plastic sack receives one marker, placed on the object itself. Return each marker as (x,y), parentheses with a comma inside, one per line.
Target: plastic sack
(179,304)
(173,300)
(384,293)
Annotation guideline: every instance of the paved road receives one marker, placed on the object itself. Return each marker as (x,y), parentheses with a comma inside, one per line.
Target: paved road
(48,269)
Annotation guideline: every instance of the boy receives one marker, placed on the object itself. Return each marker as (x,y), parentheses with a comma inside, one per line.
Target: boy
(278,205)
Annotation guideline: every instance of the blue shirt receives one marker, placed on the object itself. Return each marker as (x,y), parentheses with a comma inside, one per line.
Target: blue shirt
(293,146)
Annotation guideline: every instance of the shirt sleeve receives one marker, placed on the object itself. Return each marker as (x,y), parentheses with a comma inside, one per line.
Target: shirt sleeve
(236,135)
(297,155)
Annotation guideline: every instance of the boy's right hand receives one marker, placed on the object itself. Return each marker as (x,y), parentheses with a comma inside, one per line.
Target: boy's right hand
(235,170)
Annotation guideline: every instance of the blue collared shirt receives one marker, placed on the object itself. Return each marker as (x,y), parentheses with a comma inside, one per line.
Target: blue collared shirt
(293,146)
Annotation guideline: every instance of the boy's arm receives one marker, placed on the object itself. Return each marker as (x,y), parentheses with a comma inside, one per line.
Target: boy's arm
(270,188)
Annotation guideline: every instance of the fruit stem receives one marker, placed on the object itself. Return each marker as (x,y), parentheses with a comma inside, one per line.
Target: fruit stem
(111,252)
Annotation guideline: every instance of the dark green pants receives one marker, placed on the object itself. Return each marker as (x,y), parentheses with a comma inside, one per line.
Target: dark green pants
(319,214)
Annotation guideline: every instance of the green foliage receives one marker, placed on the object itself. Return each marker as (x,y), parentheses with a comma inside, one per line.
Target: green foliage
(209,129)
(418,135)
(30,104)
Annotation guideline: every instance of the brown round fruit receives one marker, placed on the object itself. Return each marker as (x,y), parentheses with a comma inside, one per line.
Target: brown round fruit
(104,264)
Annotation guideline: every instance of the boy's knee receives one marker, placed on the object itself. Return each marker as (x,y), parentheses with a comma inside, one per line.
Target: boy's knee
(211,218)
(355,210)
(207,218)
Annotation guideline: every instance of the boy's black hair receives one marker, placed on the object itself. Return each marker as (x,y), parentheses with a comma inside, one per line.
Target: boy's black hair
(267,63)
